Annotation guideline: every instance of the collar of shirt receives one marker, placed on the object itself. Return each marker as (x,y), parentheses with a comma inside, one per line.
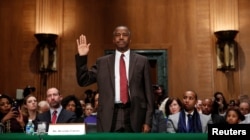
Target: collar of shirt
(126,54)
(59,109)
(192,113)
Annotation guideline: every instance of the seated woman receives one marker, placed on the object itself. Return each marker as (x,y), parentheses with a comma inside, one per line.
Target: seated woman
(10,118)
(173,105)
(72,103)
(29,109)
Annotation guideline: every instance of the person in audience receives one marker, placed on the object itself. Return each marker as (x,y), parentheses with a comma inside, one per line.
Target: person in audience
(28,90)
(234,116)
(207,109)
(43,106)
(29,109)
(96,98)
(89,116)
(220,103)
(135,112)
(162,106)
(89,96)
(159,95)
(159,122)
(244,107)
(197,122)
(198,105)
(10,117)
(173,106)
(243,97)
(71,103)
(245,110)
(56,114)
(82,102)
(233,103)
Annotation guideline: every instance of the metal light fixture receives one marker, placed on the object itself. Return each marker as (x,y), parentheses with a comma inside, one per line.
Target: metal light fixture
(48,54)
(226,50)
(47,46)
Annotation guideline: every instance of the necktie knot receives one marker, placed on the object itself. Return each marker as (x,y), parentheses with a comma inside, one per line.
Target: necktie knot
(55,112)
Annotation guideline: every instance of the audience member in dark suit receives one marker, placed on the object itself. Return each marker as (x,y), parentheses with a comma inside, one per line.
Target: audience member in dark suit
(113,115)
(207,109)
(197,123)
(54,100)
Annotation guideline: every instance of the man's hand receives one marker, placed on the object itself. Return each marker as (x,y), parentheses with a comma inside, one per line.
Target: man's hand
(82,45)
(146,128)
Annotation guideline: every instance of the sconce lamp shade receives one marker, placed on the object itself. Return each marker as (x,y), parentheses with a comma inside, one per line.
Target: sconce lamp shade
(226,50)
(48,48)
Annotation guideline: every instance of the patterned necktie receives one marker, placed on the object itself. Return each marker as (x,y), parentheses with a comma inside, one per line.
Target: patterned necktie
(123,81)
(190,121)
(54,116)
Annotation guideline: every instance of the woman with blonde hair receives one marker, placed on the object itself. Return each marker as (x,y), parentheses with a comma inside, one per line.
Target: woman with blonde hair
(29,109)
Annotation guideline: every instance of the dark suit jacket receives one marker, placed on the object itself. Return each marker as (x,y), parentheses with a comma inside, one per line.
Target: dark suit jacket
(159,124)
(64,117)
(141,94)
(217,119)
(172,123)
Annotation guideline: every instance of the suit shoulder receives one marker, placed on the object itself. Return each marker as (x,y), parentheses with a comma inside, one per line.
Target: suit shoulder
(66,112)
(105,57)
(139,55)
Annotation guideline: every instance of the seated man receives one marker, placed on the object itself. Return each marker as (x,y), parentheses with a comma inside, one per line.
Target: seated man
(56,114)
(207,109)
(188,120)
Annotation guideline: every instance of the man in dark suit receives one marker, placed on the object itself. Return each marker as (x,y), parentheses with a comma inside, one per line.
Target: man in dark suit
(188,120)
(60,115)
(113,115)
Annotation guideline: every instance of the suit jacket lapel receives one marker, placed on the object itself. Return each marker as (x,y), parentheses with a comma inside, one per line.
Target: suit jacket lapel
(61,116)
(132,62)
(47,116)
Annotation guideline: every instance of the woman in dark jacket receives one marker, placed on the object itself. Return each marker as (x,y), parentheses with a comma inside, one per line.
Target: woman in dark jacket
(11,117)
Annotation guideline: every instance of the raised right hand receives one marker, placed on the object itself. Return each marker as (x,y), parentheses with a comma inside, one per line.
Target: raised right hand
(82,45)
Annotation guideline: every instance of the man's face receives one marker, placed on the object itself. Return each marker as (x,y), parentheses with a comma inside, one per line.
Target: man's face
(121,38)
(189,101)
(244,108)
(53,98)
(207,106)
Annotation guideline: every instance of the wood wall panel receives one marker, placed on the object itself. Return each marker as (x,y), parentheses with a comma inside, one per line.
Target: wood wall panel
(183,27)
(17,57)
(244,48)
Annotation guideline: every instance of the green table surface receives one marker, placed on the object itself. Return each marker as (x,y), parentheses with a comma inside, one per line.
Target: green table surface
(107,136)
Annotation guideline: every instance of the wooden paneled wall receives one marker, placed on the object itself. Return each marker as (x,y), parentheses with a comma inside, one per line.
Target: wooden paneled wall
(184,27)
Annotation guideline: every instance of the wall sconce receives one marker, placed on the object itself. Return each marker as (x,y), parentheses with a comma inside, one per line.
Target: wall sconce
(48,54)
(226,50)
(47,46)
